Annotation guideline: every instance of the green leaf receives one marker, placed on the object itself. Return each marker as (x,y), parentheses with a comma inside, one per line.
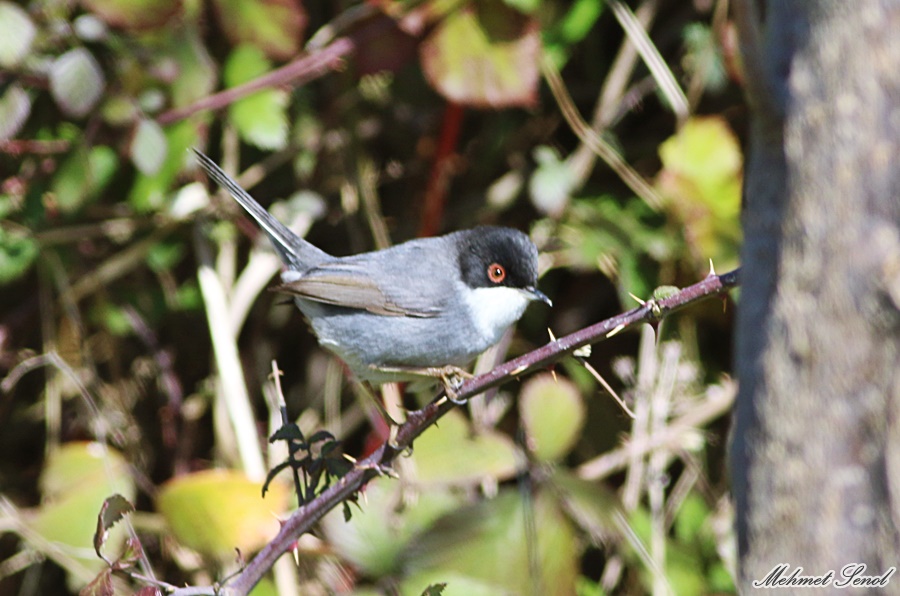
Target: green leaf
(74,483)
(580,19)
(15,107)
(16,34)
(148,147)
(701,180)
(524,6)
(197,71)
(119,110)
(586,587)
(163,256)
(703,56)
(692,515)
(485,549)
(553,414)
(375,537)
(83,176)
(452,454)
(17,252)
(114,318)
(149,192)
(216,511)
(684,566)
(261,118)
(265,587)
(76,82)
(551,183)
(275,26)
(484,54)
(621,240)
(590,504)
(187,297)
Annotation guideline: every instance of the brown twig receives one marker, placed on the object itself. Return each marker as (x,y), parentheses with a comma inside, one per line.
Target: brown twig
(417,421)
(17,147)
(300,71)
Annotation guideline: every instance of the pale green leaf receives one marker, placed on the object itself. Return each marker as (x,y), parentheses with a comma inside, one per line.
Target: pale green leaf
(381,528)
(553,414)
(16,34)
(76,479)
(15,107)
(701,181)
(150,193)
(451,453)
(217,511)
(76,82)
(197,71)
(551,183)
(148,148)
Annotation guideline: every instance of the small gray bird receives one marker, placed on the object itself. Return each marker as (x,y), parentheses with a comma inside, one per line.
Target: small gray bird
(420,308)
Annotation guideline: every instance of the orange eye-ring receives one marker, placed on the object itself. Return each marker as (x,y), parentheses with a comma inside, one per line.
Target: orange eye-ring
(496,272)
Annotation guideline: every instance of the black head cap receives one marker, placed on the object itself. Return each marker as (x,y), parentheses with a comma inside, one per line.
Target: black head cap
(492,256)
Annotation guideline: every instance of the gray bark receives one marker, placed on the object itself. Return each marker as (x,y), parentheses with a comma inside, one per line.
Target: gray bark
(816,440)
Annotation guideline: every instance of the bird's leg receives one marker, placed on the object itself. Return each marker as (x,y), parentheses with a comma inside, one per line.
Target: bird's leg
(451,377)
(392,424)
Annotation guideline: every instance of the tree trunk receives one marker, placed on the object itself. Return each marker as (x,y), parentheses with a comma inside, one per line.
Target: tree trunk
(816,444)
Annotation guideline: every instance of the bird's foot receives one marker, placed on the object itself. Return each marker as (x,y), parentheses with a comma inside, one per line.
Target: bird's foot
(451,377)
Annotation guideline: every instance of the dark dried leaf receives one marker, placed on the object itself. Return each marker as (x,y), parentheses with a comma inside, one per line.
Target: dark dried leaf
(322,435)
(100,586)
(113,509)
(288,432)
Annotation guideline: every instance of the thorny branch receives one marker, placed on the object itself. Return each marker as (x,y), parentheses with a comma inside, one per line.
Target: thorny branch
(417,421)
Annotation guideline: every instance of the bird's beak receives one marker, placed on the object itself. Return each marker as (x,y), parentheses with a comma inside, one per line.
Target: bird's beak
(536,294)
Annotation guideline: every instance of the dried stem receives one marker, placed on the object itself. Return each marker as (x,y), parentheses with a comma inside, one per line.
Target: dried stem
(597,143)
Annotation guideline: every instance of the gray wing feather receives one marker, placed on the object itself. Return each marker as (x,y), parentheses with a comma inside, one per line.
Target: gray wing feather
(404,280)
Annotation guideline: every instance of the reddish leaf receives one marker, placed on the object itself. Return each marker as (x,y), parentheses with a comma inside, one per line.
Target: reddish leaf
(485,55)
(134,14)
(382,45)
(131,554)
(100,585)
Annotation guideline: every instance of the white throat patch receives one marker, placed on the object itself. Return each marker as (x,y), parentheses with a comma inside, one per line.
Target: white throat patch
(495,309)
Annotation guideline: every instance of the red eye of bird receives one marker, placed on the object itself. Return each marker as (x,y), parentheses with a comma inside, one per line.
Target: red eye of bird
(496,272)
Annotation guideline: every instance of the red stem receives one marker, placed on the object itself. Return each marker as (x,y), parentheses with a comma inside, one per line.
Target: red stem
(441,171)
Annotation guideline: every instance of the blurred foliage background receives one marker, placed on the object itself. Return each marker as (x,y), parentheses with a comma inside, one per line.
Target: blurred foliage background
(136,338)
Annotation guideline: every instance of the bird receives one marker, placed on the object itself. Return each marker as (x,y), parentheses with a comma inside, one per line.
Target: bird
(422,308)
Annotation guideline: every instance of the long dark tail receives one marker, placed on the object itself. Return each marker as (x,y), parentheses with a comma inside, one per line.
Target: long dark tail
(296,252)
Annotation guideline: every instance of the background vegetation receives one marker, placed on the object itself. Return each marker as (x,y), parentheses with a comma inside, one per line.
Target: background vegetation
(374,123)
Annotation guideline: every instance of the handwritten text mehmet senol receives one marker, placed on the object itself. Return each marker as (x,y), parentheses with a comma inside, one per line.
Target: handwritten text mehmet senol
(850,576)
